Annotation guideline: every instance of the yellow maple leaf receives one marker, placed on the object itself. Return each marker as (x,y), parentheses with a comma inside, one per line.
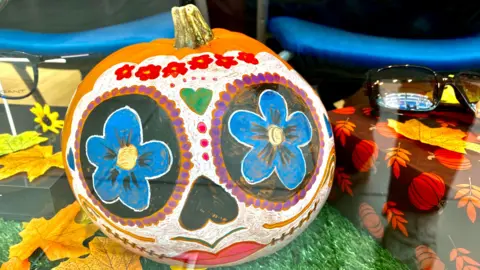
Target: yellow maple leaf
(34,161)
(105,254)
(27,139)
(448,138)
(16,264)
(60,237)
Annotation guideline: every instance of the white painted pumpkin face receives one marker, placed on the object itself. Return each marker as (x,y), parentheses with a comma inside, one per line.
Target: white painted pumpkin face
(210,160)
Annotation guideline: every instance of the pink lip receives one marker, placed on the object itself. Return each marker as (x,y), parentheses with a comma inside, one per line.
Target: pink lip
(229,254)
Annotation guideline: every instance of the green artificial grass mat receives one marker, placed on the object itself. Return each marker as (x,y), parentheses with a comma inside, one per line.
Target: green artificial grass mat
(330,242)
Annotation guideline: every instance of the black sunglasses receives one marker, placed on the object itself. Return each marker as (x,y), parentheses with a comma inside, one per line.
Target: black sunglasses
(411,88)
(18,74)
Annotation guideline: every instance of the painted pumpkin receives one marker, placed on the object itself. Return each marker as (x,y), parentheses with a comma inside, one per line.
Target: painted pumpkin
(426,191)
(205,150)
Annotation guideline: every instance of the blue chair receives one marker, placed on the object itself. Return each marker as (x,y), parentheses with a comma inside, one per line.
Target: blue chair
(101,41)
(306,38)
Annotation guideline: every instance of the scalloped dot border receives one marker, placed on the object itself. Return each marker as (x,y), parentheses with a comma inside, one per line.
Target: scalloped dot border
(221,107)
(184,145)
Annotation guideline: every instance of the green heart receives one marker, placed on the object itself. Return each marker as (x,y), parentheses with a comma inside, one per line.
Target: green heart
(197,101)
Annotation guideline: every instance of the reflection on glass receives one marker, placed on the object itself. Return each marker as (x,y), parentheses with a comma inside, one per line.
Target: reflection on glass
(16,78)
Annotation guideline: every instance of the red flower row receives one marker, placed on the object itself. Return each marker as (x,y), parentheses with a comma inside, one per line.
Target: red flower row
(174,69)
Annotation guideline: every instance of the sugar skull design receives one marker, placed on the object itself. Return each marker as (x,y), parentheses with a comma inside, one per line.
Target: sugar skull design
(202,159)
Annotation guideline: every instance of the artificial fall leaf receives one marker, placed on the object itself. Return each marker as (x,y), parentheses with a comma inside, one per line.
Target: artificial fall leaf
(105,254)
(343,129)
(394,217)
(34,161)
(397,157)
(16,264)
(27,139)
(60,237)
(343,180)
(468,196)
(448,138)
(427,259)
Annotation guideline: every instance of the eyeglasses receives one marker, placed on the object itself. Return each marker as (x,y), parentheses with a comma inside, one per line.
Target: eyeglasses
(419,89)
(18,75)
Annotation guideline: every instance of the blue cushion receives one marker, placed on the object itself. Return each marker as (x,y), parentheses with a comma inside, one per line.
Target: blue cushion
(369,51)
(103,40)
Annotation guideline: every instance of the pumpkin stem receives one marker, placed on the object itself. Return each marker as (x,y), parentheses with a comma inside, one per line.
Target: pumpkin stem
(191,29)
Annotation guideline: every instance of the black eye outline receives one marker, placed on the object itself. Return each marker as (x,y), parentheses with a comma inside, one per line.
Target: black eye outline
(184,145)
(232,89)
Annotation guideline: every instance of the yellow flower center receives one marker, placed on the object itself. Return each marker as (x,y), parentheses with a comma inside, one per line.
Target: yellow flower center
(275,135)
(127,157)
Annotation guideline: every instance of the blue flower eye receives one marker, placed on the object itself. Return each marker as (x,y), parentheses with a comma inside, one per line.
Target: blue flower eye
(125,162)
(130,141)
(275,138)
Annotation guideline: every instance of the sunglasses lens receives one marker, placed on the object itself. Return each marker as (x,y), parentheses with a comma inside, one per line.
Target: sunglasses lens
(404,88)
(471,86)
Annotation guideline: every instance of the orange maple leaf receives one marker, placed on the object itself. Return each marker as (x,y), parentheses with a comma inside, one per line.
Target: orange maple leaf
(343,129)
(60,237)
(35,161)
(468,196)
(394,217)
(105,254)
(397,157)
(16,264)
(343,180)
(447,138)
(427,259)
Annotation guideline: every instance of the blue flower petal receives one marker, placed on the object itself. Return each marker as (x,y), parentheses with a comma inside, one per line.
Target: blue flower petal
(135,190)
(291,169)
(256,166)
(154,159)
(123,127)
(329,126)
(100,151)
(71,159)
(273,107)
(106,189)
(298,130)
(248,128)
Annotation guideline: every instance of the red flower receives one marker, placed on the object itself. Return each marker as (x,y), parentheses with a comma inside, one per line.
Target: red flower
(200,62)
(149,72)
(124,72)
(174,69)
(247,58)
(225,61)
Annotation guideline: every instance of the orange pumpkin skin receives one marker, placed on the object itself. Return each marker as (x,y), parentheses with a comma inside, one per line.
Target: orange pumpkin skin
(364,155)
(224,41)
(453,160)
